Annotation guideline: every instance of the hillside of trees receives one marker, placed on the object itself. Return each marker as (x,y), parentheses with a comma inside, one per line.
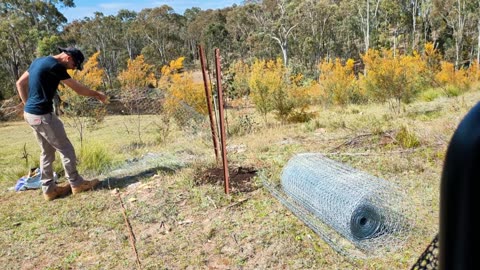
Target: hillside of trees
(302,37)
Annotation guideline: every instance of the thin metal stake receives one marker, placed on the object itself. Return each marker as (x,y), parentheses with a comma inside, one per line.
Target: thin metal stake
(209,102)
(222,120)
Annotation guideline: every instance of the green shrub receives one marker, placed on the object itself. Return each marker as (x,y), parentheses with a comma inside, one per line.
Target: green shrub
(95,158)
(429,95)
(244,125)
(163,129)
(407,138)
(314,125)
(453,91)
(300,116)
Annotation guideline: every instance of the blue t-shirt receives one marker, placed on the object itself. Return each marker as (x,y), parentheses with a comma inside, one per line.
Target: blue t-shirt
(45,73)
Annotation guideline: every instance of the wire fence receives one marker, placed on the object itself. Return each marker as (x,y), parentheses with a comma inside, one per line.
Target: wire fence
(429,258)
(144,115)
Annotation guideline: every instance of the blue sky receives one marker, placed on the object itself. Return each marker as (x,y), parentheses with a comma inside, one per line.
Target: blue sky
(86,8)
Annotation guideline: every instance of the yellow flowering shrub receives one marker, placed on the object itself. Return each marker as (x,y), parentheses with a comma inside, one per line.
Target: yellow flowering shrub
(432,57)
(338,81)
(269,88)
(239,86)
(474,72)
(393,78)
(137,75)
(449,78)
(181,88)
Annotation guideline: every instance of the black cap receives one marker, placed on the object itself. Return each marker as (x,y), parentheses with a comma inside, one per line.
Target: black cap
(77,55)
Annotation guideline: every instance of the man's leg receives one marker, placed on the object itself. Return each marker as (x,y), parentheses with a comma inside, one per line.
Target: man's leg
(47,157)
(59,140)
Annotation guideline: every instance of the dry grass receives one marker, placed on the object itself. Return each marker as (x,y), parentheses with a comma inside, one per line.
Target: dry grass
(181,224)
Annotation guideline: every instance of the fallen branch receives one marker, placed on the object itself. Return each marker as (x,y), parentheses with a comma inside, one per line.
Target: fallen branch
(354,139)
(237,203)
(131,234)
(211,200)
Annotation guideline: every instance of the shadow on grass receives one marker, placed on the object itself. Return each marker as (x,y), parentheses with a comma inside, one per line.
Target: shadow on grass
(126,180)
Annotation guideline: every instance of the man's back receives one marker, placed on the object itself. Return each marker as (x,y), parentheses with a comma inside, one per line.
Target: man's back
(45,73)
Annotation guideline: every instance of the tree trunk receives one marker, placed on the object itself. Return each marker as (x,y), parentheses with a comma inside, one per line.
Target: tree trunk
(478,43)
(458,34)
(367,32)
(414,24)
(285,54)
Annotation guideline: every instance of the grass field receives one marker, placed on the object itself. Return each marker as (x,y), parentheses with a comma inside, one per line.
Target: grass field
(182,220)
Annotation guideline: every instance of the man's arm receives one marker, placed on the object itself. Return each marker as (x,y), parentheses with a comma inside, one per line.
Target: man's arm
(22,87)
(85,91)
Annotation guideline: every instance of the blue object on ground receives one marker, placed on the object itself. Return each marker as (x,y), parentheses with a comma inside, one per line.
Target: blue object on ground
(31,182)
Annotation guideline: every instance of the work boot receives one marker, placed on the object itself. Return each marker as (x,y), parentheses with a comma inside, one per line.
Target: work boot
(58,191)
(84,186)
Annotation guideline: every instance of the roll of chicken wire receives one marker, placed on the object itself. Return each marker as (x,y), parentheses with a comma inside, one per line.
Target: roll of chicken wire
(341,203)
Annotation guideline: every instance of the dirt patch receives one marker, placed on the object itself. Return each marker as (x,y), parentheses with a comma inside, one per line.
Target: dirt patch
(240,178)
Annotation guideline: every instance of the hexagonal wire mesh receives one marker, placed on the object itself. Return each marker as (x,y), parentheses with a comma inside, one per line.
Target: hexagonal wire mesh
(429,258)
(359,215)
(141,121)
(143,114)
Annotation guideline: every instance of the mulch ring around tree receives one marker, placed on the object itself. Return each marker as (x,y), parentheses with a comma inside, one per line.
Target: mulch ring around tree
(240,178)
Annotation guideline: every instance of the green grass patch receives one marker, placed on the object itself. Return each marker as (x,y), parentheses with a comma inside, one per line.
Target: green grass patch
(95,157)
(407,138)
(430,94)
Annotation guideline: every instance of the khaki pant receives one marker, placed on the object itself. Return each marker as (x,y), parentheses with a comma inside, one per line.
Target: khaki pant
(51,136)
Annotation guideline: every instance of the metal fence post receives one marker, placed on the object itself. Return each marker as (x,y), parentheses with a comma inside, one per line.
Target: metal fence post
(222,120)
(209,102)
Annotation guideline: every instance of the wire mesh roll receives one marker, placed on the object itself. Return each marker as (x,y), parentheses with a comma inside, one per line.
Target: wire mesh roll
(366,210)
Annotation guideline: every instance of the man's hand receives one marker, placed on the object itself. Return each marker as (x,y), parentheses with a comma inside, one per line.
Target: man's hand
(102,97)
(85,91)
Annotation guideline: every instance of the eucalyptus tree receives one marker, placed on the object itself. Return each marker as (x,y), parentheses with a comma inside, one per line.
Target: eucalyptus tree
(420,12)
(243,32)
(394,27)
(49,45)
(275,19)
(366,13)
(22,25)
(425,12)
(100,33)
(208,28)
(248,39)
(347,38)
(190,33)
(317,26)
(160,28)
(215,34)
(130,36)
(16,47)
(473,29)
(413,7)
(454,14)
